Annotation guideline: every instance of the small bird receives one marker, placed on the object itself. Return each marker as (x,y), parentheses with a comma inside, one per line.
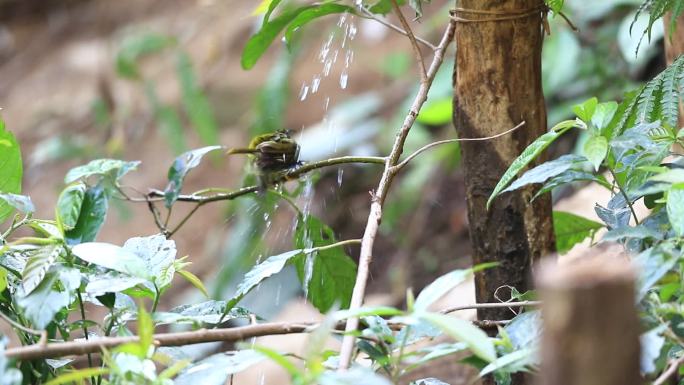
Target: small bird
(272,154)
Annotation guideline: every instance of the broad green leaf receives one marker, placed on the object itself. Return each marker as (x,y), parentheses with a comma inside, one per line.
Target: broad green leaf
(596,149)
(44,302)
(22,203)
(158,255)
(92,216)
(604,115)
(111,282)
(328,275)
(547,170)
(269,11)
(384,7)
(180,168)
(77,376)
(555,5)
(524,331)
(3,279)
(194,281)
(112,257)
(672,176)
(195,102)
(654,263)
(209,312)
(675,208)
(442,285)
(436,113)
(215,369)
(69,205)
(39,262)
(477,340)
(10,168)
(570,176)
(571,229)
(529,154)
(310,14)
(637,232)
(434,352)
(586,110)
(259,42)
(134,48)
(107,167)
(517,361)
(265,269)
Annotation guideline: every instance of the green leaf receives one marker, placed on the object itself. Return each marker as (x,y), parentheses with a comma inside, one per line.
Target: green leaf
(328,275)
(195,103)
(208,312)
(442,285)
(265,269)
(555,5)
(69,204)
(158,255)
(310,14)
(38,264)
(78,375)
(517,361)
(366,312)
(18,202)
(215,369)
(477,340)
(180,168)
(604,115)
(92,216)
(586,110)
(530,153)
(572,229)
(675,208)
(271,7)
(44,302)
(145,329)
(384,7)
(10,168)
(547,170)
(111,257)
(111,282)
(437,112)
(136,47)
(259,42)
(3,279)
(596,149)
(194,281)
(113,168)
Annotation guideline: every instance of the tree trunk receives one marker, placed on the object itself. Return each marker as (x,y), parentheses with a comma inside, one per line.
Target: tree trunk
(591,327)
(497,84)
(674,46)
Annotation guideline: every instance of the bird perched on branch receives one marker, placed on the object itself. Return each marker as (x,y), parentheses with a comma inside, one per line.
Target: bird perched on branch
(272,154)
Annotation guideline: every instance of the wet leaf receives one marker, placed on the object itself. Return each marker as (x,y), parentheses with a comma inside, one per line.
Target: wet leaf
(69,204)
(91,217)
(112,257)
(310,14)
(113,168)
(38,264)
(18,202)
(180,168)
(208,312)
(44,302)
(158,255)
(547,170)
(215,369)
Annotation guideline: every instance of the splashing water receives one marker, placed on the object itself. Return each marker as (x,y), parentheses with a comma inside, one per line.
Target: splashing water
(340,171)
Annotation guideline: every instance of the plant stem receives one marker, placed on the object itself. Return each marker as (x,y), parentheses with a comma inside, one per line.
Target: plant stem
(85,328)
(155,303)
(624,195)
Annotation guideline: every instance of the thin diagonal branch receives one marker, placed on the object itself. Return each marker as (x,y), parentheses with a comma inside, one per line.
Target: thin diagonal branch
(375,215)
(412,38)
(369,15)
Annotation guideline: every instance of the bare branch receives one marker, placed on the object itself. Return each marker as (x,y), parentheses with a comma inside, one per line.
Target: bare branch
(369,15)
(671,370)
(491,305)
(375,215)
(434,144)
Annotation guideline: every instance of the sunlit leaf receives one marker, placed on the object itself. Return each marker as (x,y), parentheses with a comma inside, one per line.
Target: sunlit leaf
(107,167)
(477,340)
(10,168)
(69,204)
(111,257)
(571,229)
(436,113)
(442,285)
(596,149)
(91,217)
(194,281)
(39,262)
(44,302)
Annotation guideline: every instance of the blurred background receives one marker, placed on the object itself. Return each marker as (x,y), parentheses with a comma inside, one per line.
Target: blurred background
(148,79)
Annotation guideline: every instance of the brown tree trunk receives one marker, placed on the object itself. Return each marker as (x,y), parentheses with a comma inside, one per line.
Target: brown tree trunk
(591,328)
(497,84)
(674,46)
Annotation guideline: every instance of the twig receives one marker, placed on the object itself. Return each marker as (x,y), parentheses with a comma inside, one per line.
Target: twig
(155,215)
(15,324)
(185,219)
(434,144)
(375,215)
(490,306)
(369,15)
(672,369)
(241,333)
(412,38)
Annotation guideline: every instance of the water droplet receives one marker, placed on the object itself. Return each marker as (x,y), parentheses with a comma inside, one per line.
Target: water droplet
(265,216)
(351,31)
(343,79)
(327,102)
(328,65)
(339,177)
(277,297)
(315,83)
(343,18)
(348,58)
(304,92)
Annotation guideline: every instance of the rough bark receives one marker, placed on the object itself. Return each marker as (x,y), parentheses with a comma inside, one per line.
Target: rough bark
(674,46)
(497,84)
(591,327)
